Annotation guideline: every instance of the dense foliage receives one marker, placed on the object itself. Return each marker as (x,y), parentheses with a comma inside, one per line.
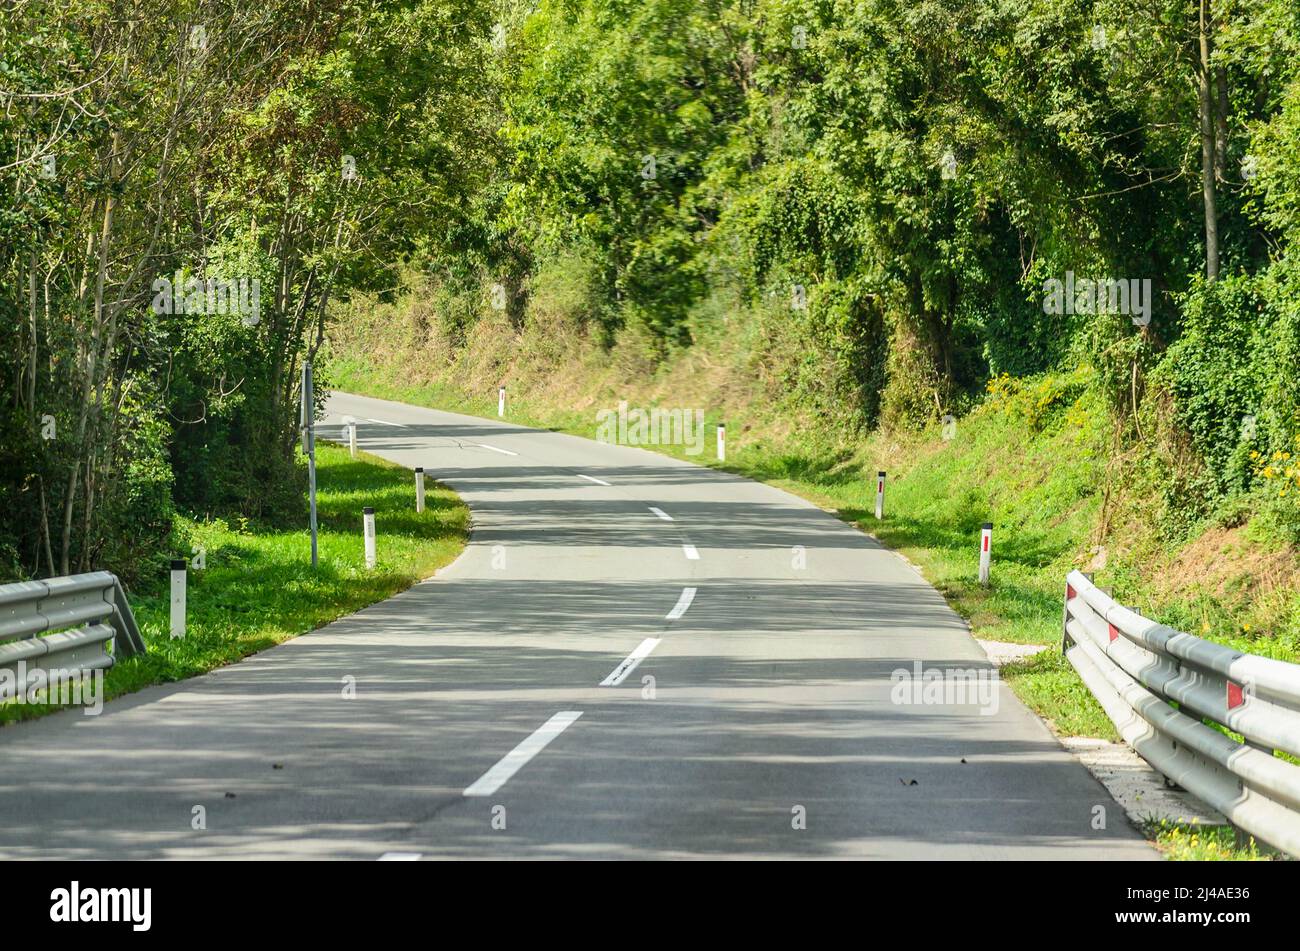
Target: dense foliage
(289,151)
(913,176)
(880,191)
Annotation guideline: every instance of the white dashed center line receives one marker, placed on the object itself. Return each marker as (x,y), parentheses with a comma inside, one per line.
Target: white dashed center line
(684,602)
(592,479)
(662,514)
(400,857)
(518,758)
(619,673)
(383,422)
(504,452)
(691,553)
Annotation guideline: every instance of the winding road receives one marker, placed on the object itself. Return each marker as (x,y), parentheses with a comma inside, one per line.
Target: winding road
(635,657)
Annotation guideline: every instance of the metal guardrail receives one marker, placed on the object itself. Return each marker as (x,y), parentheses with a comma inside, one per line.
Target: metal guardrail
(1159,685)
(67,624)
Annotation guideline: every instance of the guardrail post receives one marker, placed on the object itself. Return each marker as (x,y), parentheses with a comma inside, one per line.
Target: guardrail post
(178,597)
(368,524)
(880,495)
(722,442)
(419,488)
(986,543)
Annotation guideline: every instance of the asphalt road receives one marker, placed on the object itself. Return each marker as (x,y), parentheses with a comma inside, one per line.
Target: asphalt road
(635,657)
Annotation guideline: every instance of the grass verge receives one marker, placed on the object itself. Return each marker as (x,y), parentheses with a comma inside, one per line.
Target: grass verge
(258,588)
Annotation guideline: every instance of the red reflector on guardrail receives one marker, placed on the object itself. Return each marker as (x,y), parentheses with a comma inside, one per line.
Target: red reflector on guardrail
(1236,696)
(1069,593)
(1114,631)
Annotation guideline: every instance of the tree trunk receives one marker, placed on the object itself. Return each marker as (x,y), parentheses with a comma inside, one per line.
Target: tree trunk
(88,418)
(32,354)
(1221,124)
(1206,99)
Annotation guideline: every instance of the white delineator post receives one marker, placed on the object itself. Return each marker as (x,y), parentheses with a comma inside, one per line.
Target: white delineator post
(986,544)
(352,438)
(178,597)
(880,495)
(419,488)
(368,523)
(722,442)
(501,401)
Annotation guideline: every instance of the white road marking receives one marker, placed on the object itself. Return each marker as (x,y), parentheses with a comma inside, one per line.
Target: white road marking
(516,759)
(684,602)
(619,673)
(400,857)
(592,479)
(383,422)
(662,514)
(691,553)
(504,452)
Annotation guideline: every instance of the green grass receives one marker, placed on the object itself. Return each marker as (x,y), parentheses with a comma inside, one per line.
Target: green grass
(259,589)
(1186,842)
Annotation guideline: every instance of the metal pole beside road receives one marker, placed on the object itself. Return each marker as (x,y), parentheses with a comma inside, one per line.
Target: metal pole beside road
(308,422)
